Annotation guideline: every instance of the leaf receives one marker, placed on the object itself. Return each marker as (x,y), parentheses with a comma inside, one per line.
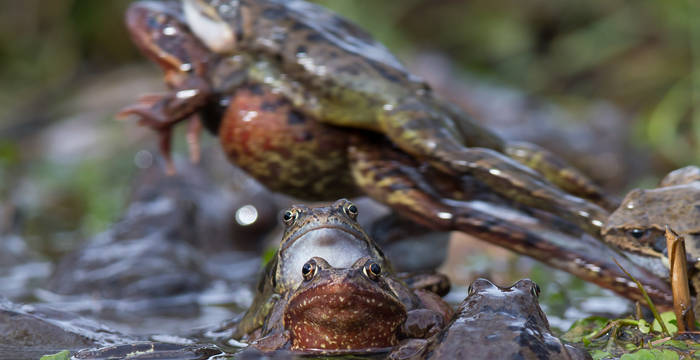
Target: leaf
(669,318)
(583,327)
(653,354)
(63,355)
(644,327)
(599,354)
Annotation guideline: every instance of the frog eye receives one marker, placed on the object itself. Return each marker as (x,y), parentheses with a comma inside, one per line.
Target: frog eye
(372,270)
(535,290)
(351,210)
(290,216)
(470,290)
(309,269)
(637,233)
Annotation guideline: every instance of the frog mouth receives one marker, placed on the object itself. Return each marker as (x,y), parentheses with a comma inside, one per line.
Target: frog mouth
(340,316)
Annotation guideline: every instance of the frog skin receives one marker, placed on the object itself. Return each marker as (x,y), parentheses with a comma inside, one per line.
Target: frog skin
(339,310)
(422,195)
(333,234)
(333,72)
(637,227)
(494,323)
(263,132)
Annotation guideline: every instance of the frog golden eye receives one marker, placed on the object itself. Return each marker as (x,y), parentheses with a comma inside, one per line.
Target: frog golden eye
(372,270)
(351,210)
(309,269)
(535,290)
(289,217)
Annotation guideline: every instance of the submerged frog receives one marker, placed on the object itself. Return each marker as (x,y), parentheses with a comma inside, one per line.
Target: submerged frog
(325,252)
(637,227)
(335,73)
(494,323)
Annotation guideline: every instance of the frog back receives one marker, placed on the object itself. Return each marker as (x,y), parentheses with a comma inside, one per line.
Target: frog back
(321,49)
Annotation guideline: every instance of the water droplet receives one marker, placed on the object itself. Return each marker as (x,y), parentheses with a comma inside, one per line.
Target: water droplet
(169,31)
(388,107)
(597,223)
(249,115)
(143,159)
(584,213)
(630,205)
(186,94)
(185,67)
(495,172)
(444,215)
(246,215)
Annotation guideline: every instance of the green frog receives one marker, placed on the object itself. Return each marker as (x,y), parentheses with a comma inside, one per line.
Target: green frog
(335,73)
(328,240)
(272,138)
(494,323)
(637,227)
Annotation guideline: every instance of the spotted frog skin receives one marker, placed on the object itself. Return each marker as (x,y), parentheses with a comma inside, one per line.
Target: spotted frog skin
(637,227)
(271,135)
(343,309)
(340,249)
(335,73)
(494,323)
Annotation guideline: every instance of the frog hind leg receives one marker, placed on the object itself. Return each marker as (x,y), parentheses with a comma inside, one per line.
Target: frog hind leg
(560,173)
(554,169)
(393,178)
(428,134)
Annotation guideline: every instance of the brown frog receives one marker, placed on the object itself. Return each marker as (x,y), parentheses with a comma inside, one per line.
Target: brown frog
(494,323)
(270,136)
(336,310)
(637,227)
(335,73)
(347,260)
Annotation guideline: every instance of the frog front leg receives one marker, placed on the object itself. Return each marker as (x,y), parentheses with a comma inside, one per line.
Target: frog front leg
(393,178)
(158,31)
(419,131)
(161,112)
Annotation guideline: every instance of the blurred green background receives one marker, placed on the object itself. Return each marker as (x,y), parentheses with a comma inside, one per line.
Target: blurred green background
(68,65)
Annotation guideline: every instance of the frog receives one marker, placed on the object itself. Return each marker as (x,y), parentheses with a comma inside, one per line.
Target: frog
(335,73)
(271,138)
(637,227)
(328,240)
(494,322)
(337,310)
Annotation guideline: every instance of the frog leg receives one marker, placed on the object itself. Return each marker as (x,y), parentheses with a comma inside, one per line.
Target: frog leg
(552,167)
(414,128)
(561,174)
(194,130)
(161,112)
(391,177)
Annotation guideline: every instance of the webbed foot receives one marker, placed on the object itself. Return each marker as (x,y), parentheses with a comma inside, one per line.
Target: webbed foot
(161,112)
